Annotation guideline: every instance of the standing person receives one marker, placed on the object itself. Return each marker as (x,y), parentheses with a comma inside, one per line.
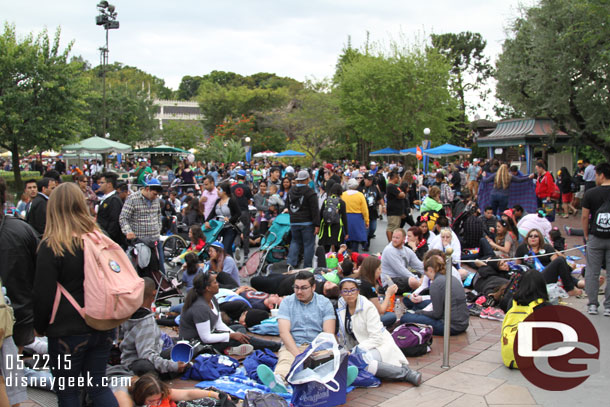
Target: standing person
(243,195)
(395,204)
(302,205)
(31,190)
(301,317)
(285,188)
(18,244)
(37,215)
(333,220)
(544,183)
(90,197)
(597,235)
(209,196)
(500,190)
(473,172)
(61,260)
(374,199)
(193,214)
(227,209)
(141,219)
(567,195)
(361,331)
(357,215)
(261,203)
(188,176)
(460,317)
(141,172)
(589,177)
(274,177)
(109,210)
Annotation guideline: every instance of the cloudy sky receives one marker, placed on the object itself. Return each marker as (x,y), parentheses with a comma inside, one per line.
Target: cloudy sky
(300,39)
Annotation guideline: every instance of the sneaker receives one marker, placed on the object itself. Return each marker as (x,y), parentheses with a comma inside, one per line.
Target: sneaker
(568,230)
(592,309)
(606,312)
(271,380)
(475,310)
(484,312)
(241,350)
(352,373)
(495,314)
(481,300)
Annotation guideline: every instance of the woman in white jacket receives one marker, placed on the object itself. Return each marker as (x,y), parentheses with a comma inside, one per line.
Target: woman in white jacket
(361,331)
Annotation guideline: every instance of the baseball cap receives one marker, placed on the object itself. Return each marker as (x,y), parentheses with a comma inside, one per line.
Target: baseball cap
(302,175)
(218,245)
(289,169)
(373,163)
(241,173)
(580,162)
(476,160)
(328,166)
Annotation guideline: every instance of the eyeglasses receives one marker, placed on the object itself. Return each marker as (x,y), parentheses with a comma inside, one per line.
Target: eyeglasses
(303,288)
(349,291)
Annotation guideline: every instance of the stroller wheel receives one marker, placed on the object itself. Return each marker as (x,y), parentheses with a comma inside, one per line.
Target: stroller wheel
(238,256)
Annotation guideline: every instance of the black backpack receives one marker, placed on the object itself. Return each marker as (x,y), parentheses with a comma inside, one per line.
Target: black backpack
(601,221)
(331,214)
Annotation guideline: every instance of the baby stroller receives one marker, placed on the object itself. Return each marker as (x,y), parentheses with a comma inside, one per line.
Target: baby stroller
(273,248)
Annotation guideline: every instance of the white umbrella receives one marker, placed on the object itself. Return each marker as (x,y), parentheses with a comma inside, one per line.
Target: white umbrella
(265,154)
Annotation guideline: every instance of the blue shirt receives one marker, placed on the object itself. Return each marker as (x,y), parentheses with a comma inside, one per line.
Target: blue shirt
(306,320)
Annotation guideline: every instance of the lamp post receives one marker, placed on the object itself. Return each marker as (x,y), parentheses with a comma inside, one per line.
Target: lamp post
(247,147)
(425,146)
(107,19)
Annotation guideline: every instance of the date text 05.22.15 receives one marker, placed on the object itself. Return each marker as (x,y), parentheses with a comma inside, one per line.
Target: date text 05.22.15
(63,362)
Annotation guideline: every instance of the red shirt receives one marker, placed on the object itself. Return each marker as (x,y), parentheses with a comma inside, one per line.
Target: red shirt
(544,185)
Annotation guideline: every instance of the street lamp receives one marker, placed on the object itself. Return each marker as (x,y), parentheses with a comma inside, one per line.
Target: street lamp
(107,19)
(247,147)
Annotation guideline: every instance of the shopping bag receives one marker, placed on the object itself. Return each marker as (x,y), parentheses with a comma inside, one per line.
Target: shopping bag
(318,375)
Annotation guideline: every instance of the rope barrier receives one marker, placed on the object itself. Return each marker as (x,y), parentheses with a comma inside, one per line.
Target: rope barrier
(528,256)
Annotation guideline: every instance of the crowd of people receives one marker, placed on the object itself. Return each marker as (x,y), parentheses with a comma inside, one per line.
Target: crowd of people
(331,281)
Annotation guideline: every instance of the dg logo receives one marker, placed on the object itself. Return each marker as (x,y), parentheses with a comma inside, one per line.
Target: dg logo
(557,348)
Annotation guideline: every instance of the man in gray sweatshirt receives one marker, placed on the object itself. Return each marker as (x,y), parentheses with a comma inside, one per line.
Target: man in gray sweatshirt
(397,260)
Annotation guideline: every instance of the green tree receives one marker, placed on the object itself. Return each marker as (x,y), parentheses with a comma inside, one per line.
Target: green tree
(40,94)
(470,70)
(225,151)
(388,98)
(181,134)
(555,64)
(189,87)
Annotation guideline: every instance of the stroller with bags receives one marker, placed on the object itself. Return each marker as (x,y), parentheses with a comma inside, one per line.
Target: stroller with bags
(273,248)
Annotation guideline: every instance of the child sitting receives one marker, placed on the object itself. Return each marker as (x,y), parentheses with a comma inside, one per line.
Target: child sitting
(197,239)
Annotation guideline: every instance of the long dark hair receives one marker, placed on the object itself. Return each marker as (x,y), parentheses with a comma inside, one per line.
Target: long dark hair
(565,174)
(193,206)
(531,287)
(192,263)
(197,233)
(200,283)
(367,269)
(145,386)
(217,264)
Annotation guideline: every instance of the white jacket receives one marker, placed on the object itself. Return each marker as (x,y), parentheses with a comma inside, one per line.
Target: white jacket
(369,331)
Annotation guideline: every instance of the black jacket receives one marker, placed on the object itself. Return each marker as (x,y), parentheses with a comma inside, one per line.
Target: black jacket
(37,215)
(18,244)
(302,204)
(108,219)
(233,207)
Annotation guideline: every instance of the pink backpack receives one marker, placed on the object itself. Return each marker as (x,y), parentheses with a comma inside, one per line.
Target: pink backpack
(113,289)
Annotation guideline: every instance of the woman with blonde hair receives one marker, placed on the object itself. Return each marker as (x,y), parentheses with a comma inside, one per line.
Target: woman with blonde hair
(75,348)
(501,188)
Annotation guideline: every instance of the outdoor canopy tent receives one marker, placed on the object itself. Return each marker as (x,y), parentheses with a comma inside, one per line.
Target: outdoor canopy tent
(97,145)
(385,151)
(409,151)
(446,150)
(290,153)
(265,154)
(162,149)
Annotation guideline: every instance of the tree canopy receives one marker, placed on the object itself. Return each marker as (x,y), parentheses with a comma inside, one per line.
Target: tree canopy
(555,64)
(40,94)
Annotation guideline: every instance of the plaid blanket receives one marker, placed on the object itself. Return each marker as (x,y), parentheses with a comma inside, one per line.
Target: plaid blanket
(520,193)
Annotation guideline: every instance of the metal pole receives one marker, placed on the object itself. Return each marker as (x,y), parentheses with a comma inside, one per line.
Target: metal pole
(447,329)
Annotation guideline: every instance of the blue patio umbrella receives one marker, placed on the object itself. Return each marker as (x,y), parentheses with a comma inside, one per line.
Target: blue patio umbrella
(290,153)
(446,150)
(409,151)
(385,151)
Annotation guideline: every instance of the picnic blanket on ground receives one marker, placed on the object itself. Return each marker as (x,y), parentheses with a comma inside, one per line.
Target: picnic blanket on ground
(519,193)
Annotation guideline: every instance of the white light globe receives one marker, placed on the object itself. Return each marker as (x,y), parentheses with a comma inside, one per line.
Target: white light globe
(426,131)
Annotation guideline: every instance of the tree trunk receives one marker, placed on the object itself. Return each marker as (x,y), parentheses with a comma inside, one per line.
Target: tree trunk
(16,168)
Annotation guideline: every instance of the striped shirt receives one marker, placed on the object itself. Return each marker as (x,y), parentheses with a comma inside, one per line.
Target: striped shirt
(141,216)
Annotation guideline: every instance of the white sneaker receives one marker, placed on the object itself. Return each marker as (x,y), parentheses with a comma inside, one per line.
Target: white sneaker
(592,310)
(241,350)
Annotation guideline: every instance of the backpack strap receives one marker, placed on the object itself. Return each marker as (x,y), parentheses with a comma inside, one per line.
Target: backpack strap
(61,290)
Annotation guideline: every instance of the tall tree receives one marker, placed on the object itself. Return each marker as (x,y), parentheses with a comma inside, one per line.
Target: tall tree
(40,94)
(388,98)
(556,63)
(181,134)
(470,70)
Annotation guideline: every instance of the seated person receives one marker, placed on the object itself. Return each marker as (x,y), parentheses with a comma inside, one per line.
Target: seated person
(200,319)
(282,285)
(370,285)
(361,331)
(417,242)
(460,317)
(425,281)
(505,243)
(197,239)
(235,303)
(398,261)
(544,258)
(142,344)
(535,221)
(148,390)
(446,239)
(491,276)
(302,316)
(223,265)
(489,221)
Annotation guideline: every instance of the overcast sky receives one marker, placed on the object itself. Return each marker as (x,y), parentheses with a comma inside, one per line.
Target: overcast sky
(300,39)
